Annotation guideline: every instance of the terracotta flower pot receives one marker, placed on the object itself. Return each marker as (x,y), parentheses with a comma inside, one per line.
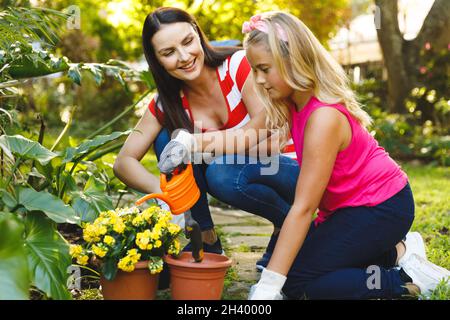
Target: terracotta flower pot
(192,280)
(139,284)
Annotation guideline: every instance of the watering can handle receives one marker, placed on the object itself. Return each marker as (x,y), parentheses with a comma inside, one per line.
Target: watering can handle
(147,197)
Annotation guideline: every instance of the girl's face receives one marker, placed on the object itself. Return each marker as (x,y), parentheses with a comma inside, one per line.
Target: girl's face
(266,74)
(178,49)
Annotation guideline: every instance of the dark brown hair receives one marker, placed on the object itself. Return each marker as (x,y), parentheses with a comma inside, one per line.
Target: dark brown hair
(169,87)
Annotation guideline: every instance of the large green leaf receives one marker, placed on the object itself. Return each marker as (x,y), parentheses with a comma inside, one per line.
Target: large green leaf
(25,148)
(52,206)
(88,146)
(48,256)
(89,203)
(7,198)
(14,276)
(26,68)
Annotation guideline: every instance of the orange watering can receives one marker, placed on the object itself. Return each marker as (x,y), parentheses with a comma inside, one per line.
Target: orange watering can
(180,192)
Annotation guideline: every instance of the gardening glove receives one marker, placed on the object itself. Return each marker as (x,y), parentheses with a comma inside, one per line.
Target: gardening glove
(177,219)
(176,152)
(268,287)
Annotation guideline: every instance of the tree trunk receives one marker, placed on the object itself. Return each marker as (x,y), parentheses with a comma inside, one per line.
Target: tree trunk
(401,57)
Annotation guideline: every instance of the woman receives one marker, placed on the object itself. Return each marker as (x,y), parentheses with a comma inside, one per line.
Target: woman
(214,87)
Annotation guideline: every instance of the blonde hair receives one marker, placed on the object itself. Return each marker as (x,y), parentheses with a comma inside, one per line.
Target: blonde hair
(304,64)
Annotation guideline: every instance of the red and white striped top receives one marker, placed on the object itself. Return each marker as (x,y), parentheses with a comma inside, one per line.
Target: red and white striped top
(232,75)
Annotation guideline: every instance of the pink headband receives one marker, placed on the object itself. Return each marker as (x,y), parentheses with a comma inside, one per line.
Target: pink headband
(256,22)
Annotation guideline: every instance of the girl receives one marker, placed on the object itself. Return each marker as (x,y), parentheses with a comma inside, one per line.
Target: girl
(214,87)
(354,248)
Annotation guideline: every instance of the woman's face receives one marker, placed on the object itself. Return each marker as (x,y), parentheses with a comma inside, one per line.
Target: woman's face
(178,49)
(266,74)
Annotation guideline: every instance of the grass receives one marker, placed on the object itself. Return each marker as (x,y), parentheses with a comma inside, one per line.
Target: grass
(431,190)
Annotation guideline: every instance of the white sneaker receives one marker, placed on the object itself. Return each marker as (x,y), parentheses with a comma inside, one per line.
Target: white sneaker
(413,244)
(424,274)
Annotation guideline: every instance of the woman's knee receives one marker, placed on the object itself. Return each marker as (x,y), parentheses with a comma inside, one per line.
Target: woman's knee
(221,178)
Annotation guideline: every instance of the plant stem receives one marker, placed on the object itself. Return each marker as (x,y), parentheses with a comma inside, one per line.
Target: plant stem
(63,132)
(13,171)
(117,118)
(102,152)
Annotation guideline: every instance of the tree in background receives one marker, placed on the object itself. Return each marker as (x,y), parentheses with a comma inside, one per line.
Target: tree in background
(402,57)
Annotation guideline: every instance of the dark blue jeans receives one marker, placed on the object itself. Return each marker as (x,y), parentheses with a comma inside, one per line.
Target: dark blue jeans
(241,185)
(352,254)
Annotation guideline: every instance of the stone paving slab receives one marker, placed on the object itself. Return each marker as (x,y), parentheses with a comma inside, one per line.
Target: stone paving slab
(253,243)
(244,263)
(248,230)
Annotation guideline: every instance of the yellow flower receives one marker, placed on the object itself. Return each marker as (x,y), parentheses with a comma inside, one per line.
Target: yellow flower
(155,234)
(174,248)
(102,230)
(156,265)
(110,241)
(99,251)
(147,214)
(158,243)
(83,260)
(138,220)
(126,264)
(91,233)
(173,228)
(119,226)
(143,239)
(75,250)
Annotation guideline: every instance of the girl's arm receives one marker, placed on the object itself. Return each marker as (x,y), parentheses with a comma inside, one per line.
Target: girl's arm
(127,166)
(327,132)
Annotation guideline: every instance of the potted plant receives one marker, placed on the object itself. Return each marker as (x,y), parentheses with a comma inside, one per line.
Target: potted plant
(130,245)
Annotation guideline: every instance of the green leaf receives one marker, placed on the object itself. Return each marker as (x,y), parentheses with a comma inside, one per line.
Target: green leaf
(49,204)
(7,198)
(26,148)
(147,77)
(26,67)
(74,74)
(92,200)
(14,276)
(96,72)
(48,256)
(88,146)
(109,269)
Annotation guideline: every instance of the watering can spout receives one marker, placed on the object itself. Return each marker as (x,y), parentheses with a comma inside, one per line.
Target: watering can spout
(180,192)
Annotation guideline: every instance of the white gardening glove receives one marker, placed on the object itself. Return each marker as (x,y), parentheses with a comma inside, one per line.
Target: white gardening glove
(177,219)
(177,151)
(268,287)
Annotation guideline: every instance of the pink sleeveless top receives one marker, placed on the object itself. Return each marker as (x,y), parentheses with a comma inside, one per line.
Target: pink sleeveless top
(363,174)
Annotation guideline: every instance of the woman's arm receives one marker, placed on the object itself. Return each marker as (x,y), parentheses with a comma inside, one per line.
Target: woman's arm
(127,166)
(242,139)
(326,133)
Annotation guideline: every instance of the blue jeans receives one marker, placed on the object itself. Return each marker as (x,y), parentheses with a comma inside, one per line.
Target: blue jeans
(334,259)
(241,185)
